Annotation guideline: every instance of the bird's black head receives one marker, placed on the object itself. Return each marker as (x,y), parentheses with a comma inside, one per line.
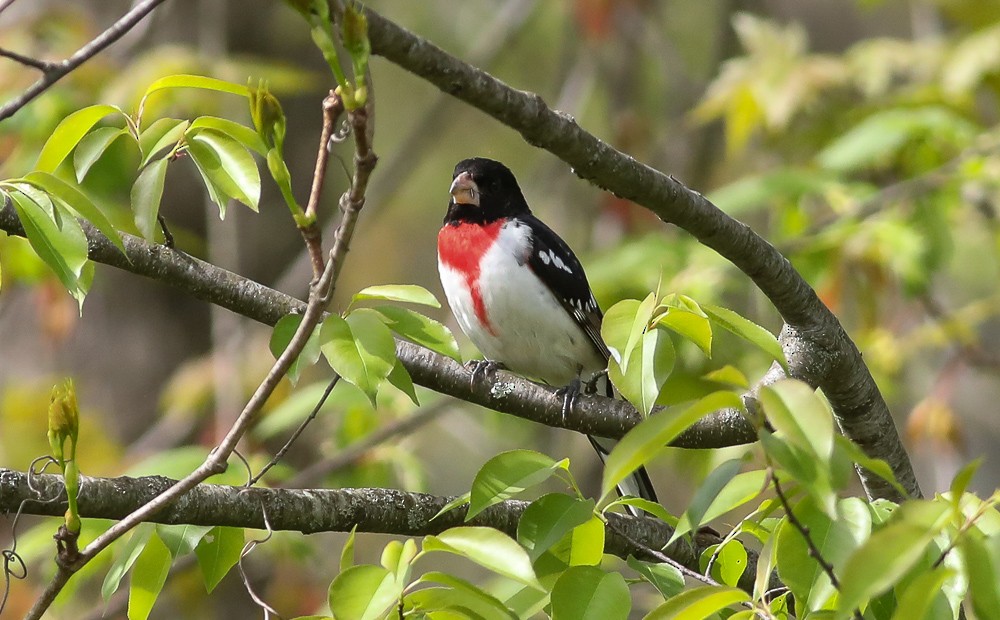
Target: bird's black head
(482,191)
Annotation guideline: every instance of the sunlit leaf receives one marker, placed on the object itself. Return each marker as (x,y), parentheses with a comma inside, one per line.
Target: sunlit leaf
(548,519)
(705,496)
(181,539)
(694,327)
(421,330)
(148,576)
(147,192)
(652,361)
(409,293)
(699,602)
(218,551)
(665,577)
(729,564)
(125,558)
(227,164)
(246,136)
(360,349)
(508,474)
(162,133)
(588,593)
(68,134)
(363,592)
(794,409)
(488,548)
(77,201)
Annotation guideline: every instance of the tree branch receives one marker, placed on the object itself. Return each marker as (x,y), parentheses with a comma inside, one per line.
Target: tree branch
(53,72)
(818,349)
(508,393)
(386,511)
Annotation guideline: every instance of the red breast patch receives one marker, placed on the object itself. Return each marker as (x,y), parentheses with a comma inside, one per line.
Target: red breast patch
(462,247)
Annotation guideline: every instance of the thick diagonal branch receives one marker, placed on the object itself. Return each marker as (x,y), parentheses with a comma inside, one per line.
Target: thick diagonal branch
(818,349)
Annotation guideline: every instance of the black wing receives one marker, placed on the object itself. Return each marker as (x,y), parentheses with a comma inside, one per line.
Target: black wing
(559,268)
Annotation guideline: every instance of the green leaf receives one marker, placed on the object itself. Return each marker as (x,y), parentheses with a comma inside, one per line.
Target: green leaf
(548,519)
(651,507)
(617,326)
(421,330)
(193,81)
(877,466)
(218,551)
(397,558)
(730,562)
(962,479)
(148,576)
(347,553)
(400,379)
(698,603)
(126,558)
(282,334)
(694,327)
(651,436)
(749,331)
(62,245)
(162,133)
(146,195)
(228,165)
(91,147)
(880,563)
(181,539)
(488,548)
(803,467)
(705,496)
(982,563)
(408,293)
(665,577)
(728,375)
(363,592)
(916,601)
(507,474)
(652,361)
(360,349)
(68,134)
(794,409)
(588,593)
(587,543)
(460,595)
(459,500)
(78,202)
(246,136)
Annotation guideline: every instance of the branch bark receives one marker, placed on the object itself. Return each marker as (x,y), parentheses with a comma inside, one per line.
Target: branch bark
(386,511)
(818,349)
(508,393)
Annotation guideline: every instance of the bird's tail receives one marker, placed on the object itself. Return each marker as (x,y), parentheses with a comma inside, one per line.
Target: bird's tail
(636,484)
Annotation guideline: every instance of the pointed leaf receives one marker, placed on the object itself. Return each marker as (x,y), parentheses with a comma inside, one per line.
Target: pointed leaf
(507,474)
(218,552)
(705,496)
(647,439)
(421,330)
(651,364)
(694,327)
(795,410)
(68,134)
(181,539)
(548,519)
(146,195)
(617,326)
(228,164)
(408,293)
(729,375)
(246,136)
(363,592)
(163,133)
(400,379)
(665,577)
(588,593)
(148,576)
(749,331)
(126,558)
(194,81)
(91,147)
(74,199)
(62,246)
(360,349)
(698,603)
(488,548)
(282,334)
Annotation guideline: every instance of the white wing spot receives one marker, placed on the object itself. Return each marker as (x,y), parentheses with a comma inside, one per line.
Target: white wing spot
(545,257)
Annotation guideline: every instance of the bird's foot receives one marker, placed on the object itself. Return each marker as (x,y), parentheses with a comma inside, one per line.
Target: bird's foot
(482,369)
(569,393)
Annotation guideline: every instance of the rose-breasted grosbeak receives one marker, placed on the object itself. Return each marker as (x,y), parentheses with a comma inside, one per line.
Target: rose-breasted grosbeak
(518,291)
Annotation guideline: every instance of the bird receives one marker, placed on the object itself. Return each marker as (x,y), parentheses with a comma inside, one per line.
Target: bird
(520,294)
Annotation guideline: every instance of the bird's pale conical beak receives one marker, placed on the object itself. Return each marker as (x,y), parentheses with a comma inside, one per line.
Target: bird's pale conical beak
(464,190)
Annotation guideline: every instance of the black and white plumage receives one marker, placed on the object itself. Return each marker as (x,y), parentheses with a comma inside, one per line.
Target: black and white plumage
(517,290)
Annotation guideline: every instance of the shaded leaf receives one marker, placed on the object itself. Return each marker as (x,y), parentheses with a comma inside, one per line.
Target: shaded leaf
(162,133)
(282,335)
(126,558)
(665,577)
(699,602)
(747,330)
(795,410)
(548,519)
(68,134)
(218,551)
(360,349)
(705,496)
(148,576)
(421,330)
(75,200)
(146,195)
(408,293)
(181,539)
(246,136)
(588,593)
(507,474)
(91,147)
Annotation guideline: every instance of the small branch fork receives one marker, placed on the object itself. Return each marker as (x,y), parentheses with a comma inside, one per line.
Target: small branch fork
(52,72)
(320,293)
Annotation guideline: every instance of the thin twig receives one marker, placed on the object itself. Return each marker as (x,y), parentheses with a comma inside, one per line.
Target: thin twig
(298,431)
(662,557)
(57,71)
(28,61)
(333,107)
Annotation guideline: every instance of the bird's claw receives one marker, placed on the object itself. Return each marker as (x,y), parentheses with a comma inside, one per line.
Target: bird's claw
(590,385)
(482,369)
(569,393)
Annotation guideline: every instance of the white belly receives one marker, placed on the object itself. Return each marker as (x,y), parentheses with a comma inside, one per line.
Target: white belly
(528,330)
